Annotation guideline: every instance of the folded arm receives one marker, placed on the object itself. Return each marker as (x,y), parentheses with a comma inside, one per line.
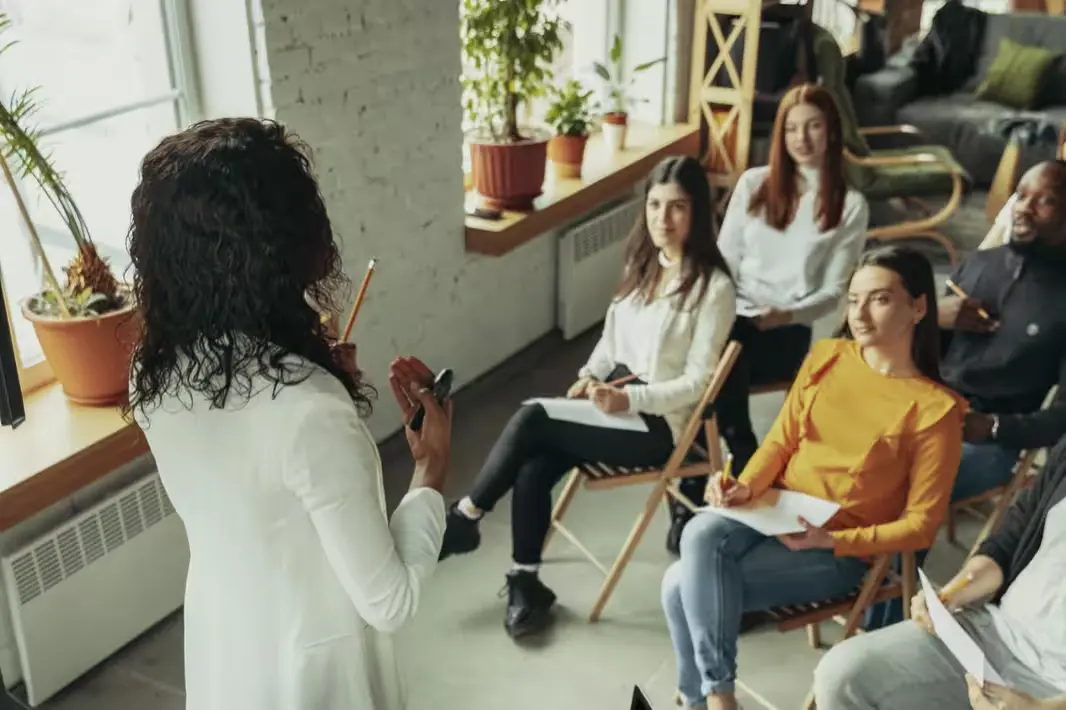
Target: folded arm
(846,248)
(714,320)
(1039,429)
(334,471)
(934,464)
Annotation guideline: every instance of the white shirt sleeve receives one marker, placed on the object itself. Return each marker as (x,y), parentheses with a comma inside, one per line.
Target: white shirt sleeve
(731,231)
(714,320)
(334,470)
(845,250)
(602,360)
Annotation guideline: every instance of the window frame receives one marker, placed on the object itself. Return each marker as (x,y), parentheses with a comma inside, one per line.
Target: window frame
(185,98)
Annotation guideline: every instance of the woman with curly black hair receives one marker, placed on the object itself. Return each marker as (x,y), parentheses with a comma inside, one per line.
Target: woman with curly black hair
(252,412)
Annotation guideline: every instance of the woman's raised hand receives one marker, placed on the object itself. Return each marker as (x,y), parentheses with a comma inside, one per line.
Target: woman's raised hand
(412,385)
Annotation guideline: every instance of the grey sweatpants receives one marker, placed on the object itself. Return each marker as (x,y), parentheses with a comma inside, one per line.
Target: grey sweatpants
(905,667)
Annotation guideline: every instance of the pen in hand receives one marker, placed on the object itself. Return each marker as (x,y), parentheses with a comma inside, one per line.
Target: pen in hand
(962,294)
(954,587)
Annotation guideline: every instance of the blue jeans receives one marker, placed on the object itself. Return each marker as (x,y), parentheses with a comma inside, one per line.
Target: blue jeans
(983,467)
(726,569)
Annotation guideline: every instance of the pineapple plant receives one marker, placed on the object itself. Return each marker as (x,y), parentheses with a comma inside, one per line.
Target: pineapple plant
(87,324)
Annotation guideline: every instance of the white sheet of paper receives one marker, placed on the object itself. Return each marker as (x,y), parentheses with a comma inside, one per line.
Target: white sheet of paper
(950,631)
(777,512)
(583,411)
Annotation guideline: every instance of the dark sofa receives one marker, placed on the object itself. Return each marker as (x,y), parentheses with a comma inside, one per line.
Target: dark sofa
(956,119)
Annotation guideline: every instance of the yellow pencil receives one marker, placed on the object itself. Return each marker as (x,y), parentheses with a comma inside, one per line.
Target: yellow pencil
(954,587)
(727,472)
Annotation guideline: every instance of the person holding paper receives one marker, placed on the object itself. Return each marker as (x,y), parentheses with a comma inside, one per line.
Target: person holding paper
(1010,599)
(254,413)
(792,234)
(867,425)
(667,324)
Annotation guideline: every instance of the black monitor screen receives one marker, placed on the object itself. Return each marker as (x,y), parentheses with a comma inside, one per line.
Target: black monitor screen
(12,408)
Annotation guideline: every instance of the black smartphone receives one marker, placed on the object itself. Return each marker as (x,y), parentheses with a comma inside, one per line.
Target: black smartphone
(486,213)
(442,389)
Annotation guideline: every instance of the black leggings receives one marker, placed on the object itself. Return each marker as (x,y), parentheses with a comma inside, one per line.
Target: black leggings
(767,356)
(535,452)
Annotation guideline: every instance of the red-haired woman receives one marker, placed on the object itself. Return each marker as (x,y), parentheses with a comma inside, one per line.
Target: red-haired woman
(792,234)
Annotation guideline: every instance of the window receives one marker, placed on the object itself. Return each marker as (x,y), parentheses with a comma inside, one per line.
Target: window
(592,24)
(114,78)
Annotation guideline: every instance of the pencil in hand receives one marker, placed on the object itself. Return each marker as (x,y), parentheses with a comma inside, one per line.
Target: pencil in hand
(963,295)
(954,587)
(727,472)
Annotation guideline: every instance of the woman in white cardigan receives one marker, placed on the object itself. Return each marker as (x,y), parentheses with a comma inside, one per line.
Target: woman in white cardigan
(792,234)
(667,325)
(297,578)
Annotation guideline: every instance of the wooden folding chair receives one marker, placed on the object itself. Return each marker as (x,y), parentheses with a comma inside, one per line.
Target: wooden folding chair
(687,460)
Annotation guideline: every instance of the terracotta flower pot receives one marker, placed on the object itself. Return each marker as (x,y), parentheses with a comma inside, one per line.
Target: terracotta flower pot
(509,176)
(567,154)
(614,131)
(89,356)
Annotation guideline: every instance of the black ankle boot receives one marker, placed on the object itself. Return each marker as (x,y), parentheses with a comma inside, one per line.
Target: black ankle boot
(529,604)
(679,517)
(461,534)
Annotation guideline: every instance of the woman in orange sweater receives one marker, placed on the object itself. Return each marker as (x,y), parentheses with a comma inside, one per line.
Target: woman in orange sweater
(867,425)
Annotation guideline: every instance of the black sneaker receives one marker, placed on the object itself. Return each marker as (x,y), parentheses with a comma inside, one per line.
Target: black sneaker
(529,604)
(461,534)
(679,517)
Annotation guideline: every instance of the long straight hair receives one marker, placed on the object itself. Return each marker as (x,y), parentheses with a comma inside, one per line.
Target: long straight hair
(916,274)
(701,257)
(778,195)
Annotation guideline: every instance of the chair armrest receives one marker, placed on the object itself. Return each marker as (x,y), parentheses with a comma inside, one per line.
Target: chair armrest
(890,130)
(880,95)
(876,161)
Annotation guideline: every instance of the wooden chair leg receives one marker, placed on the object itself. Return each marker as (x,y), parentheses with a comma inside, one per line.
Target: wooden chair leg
(814,635)
(635,535)
(909,583)
(573,484)
(952,538)
(808,702)
(874,578)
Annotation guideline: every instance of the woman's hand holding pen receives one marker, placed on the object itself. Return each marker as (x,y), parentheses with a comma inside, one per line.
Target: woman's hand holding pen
(724,491)
(608,398)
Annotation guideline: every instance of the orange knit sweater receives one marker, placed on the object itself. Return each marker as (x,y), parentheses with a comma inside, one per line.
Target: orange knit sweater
(886,448)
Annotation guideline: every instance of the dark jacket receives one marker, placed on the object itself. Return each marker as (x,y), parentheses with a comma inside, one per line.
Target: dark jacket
(947,56)
(1010,371)
(1018,537)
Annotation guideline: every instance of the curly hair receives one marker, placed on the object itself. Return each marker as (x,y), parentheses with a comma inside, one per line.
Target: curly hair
(230,246)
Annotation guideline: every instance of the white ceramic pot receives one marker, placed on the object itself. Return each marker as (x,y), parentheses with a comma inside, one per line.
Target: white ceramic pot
(614,135)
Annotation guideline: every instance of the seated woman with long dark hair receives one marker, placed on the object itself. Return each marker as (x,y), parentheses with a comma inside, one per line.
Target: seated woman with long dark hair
(867,424)
(667,325)
(792,233)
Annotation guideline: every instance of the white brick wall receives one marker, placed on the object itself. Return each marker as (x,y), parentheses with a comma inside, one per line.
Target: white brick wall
(373,87)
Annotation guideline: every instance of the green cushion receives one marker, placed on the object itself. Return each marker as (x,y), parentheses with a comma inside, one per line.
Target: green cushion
(1015,76)
(921,180)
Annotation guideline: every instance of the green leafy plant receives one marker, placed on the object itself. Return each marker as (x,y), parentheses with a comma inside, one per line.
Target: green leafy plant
(570,113)
(91,288)
(510,45)
(617,88)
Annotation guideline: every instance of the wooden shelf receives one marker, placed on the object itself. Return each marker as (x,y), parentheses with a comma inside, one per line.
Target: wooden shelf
(61,448)
(604,177)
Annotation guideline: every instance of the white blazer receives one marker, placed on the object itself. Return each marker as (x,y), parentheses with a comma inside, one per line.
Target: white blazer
(297,579)
(674,347)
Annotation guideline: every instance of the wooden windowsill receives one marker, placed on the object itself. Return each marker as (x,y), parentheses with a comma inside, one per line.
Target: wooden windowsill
(604,177)
(61,448)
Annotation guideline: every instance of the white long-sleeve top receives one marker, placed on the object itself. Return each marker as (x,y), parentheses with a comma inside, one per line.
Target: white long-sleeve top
(800,269)
(673,346)
(297,578)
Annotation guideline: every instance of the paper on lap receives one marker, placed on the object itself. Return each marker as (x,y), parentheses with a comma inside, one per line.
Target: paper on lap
(950,631)
(583,411)
(777,512)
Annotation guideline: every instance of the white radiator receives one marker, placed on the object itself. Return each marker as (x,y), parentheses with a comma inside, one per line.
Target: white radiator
(90,586)
(590,263)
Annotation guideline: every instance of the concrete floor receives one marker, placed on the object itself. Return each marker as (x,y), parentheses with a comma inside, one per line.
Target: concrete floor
(456,652)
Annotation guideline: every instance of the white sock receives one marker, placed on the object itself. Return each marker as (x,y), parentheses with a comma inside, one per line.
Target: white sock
(525,568)
(469,510)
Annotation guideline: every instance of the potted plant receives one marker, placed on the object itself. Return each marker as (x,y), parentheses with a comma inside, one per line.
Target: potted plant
(86,325)
(569,115)
(509,47)
(616,120)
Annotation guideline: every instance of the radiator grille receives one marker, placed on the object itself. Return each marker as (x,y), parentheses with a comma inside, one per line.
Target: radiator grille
(602,231)
(89,537)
